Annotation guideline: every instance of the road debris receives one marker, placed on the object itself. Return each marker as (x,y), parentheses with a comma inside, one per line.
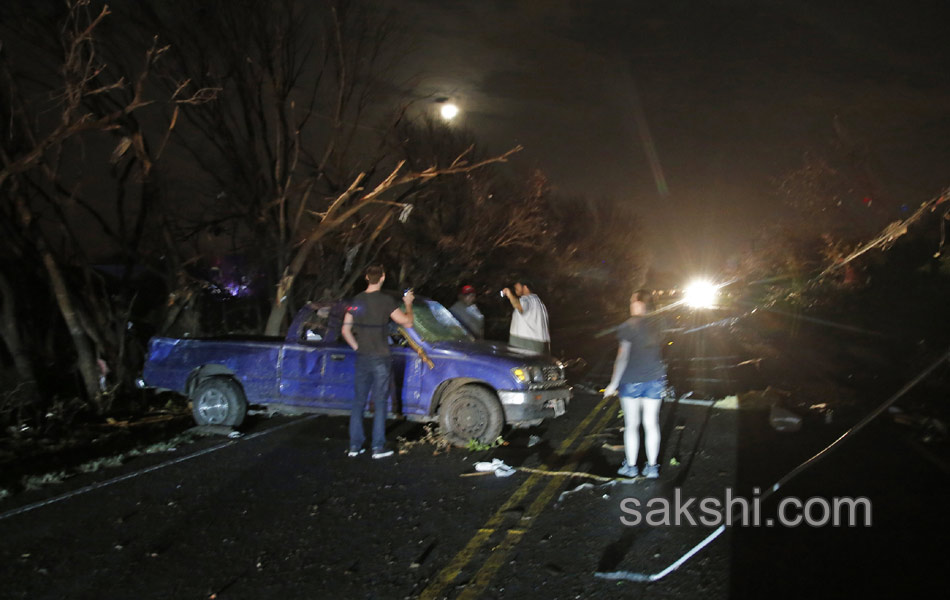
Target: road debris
(214,430)
(824,409)
(782,419)
(497,466)
(766,398)
(928,428)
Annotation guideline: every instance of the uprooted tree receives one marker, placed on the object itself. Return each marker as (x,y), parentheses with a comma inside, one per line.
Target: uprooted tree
(348,204)
(475,226)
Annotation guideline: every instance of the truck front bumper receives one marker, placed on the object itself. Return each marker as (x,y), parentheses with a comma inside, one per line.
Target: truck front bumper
(529,407)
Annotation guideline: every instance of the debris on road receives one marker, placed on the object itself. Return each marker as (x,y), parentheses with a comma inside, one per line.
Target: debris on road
(766,398)
(500,469)
(497,466)
(824,409)
(591,486)
(583,486)
(782,419)
(214,430)
(929,428)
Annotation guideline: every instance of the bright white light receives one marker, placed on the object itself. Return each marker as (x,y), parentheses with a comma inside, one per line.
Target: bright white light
(449,111)
(701,293)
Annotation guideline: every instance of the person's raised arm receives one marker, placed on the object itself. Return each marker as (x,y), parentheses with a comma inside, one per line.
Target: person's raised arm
(401,317)
(347,331)
(620,363)
(515,301)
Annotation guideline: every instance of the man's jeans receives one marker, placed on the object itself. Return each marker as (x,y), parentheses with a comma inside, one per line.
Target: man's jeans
(373,374)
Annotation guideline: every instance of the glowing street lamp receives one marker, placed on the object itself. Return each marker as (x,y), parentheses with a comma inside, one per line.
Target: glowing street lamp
(449,111)
(701,293)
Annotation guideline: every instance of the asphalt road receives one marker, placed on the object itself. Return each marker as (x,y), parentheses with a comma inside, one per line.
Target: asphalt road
(283,513)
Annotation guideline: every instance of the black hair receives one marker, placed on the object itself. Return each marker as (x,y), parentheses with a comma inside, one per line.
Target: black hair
(526,282)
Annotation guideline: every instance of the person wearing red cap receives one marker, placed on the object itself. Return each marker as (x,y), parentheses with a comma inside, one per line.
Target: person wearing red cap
(466,311)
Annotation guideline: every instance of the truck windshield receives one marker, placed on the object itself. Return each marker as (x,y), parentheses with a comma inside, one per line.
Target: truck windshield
(434,323)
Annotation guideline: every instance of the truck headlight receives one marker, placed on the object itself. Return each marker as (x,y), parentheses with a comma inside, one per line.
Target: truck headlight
(521,374)
(528,374)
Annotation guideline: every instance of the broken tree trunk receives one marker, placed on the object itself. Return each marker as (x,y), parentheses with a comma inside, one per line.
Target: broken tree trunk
(85,354)
(11,333)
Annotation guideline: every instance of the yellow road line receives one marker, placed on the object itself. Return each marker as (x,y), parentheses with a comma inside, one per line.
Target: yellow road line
(493,562)
(485,574)
(555,482)
(448,574)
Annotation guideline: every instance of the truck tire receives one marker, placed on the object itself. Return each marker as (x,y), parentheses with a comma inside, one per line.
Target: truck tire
(218,401)
(471,412)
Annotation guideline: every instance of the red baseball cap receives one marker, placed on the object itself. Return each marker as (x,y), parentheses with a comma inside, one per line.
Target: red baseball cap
(467,289)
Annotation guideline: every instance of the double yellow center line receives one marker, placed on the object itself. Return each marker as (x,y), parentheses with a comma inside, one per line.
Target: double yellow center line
(513,535)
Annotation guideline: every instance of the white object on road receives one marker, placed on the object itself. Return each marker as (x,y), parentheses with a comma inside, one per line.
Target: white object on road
(497,465)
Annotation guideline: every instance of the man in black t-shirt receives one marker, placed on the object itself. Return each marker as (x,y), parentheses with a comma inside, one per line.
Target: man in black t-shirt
(365,330)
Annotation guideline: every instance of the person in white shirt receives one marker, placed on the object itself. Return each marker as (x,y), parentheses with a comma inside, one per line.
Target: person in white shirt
(529,322)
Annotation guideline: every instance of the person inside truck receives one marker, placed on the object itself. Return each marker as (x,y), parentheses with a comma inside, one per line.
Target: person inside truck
(466,311)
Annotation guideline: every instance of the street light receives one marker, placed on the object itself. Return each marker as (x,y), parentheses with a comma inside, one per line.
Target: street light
(701,293)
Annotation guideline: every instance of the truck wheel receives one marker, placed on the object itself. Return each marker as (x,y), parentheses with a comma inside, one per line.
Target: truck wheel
(471,412)
(218,401)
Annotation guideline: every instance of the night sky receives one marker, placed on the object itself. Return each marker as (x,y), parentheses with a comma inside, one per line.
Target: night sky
(732,94)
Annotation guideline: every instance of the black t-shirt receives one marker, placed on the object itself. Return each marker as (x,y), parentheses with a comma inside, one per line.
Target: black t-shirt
(645,362)
(371,321)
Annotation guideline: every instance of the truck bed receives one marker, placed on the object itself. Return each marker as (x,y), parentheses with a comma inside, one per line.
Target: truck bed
(252,360)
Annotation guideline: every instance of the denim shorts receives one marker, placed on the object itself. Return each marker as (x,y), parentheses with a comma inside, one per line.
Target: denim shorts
(643,389)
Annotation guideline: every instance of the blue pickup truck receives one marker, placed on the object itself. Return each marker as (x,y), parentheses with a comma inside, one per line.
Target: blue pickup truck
(441,373)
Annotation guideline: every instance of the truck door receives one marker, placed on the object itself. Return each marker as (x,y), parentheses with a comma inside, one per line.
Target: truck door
(339,370)
(407,373)
(301,375)
(304,373)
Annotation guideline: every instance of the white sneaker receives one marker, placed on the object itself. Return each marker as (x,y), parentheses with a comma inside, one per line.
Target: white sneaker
(382,453)
(355,453)
(626,470)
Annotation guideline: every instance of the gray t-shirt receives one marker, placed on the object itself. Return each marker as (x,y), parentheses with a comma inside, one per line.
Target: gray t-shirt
(371,312)
(645,362)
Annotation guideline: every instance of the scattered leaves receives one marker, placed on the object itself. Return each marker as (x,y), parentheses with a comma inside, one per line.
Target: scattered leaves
(476,446)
